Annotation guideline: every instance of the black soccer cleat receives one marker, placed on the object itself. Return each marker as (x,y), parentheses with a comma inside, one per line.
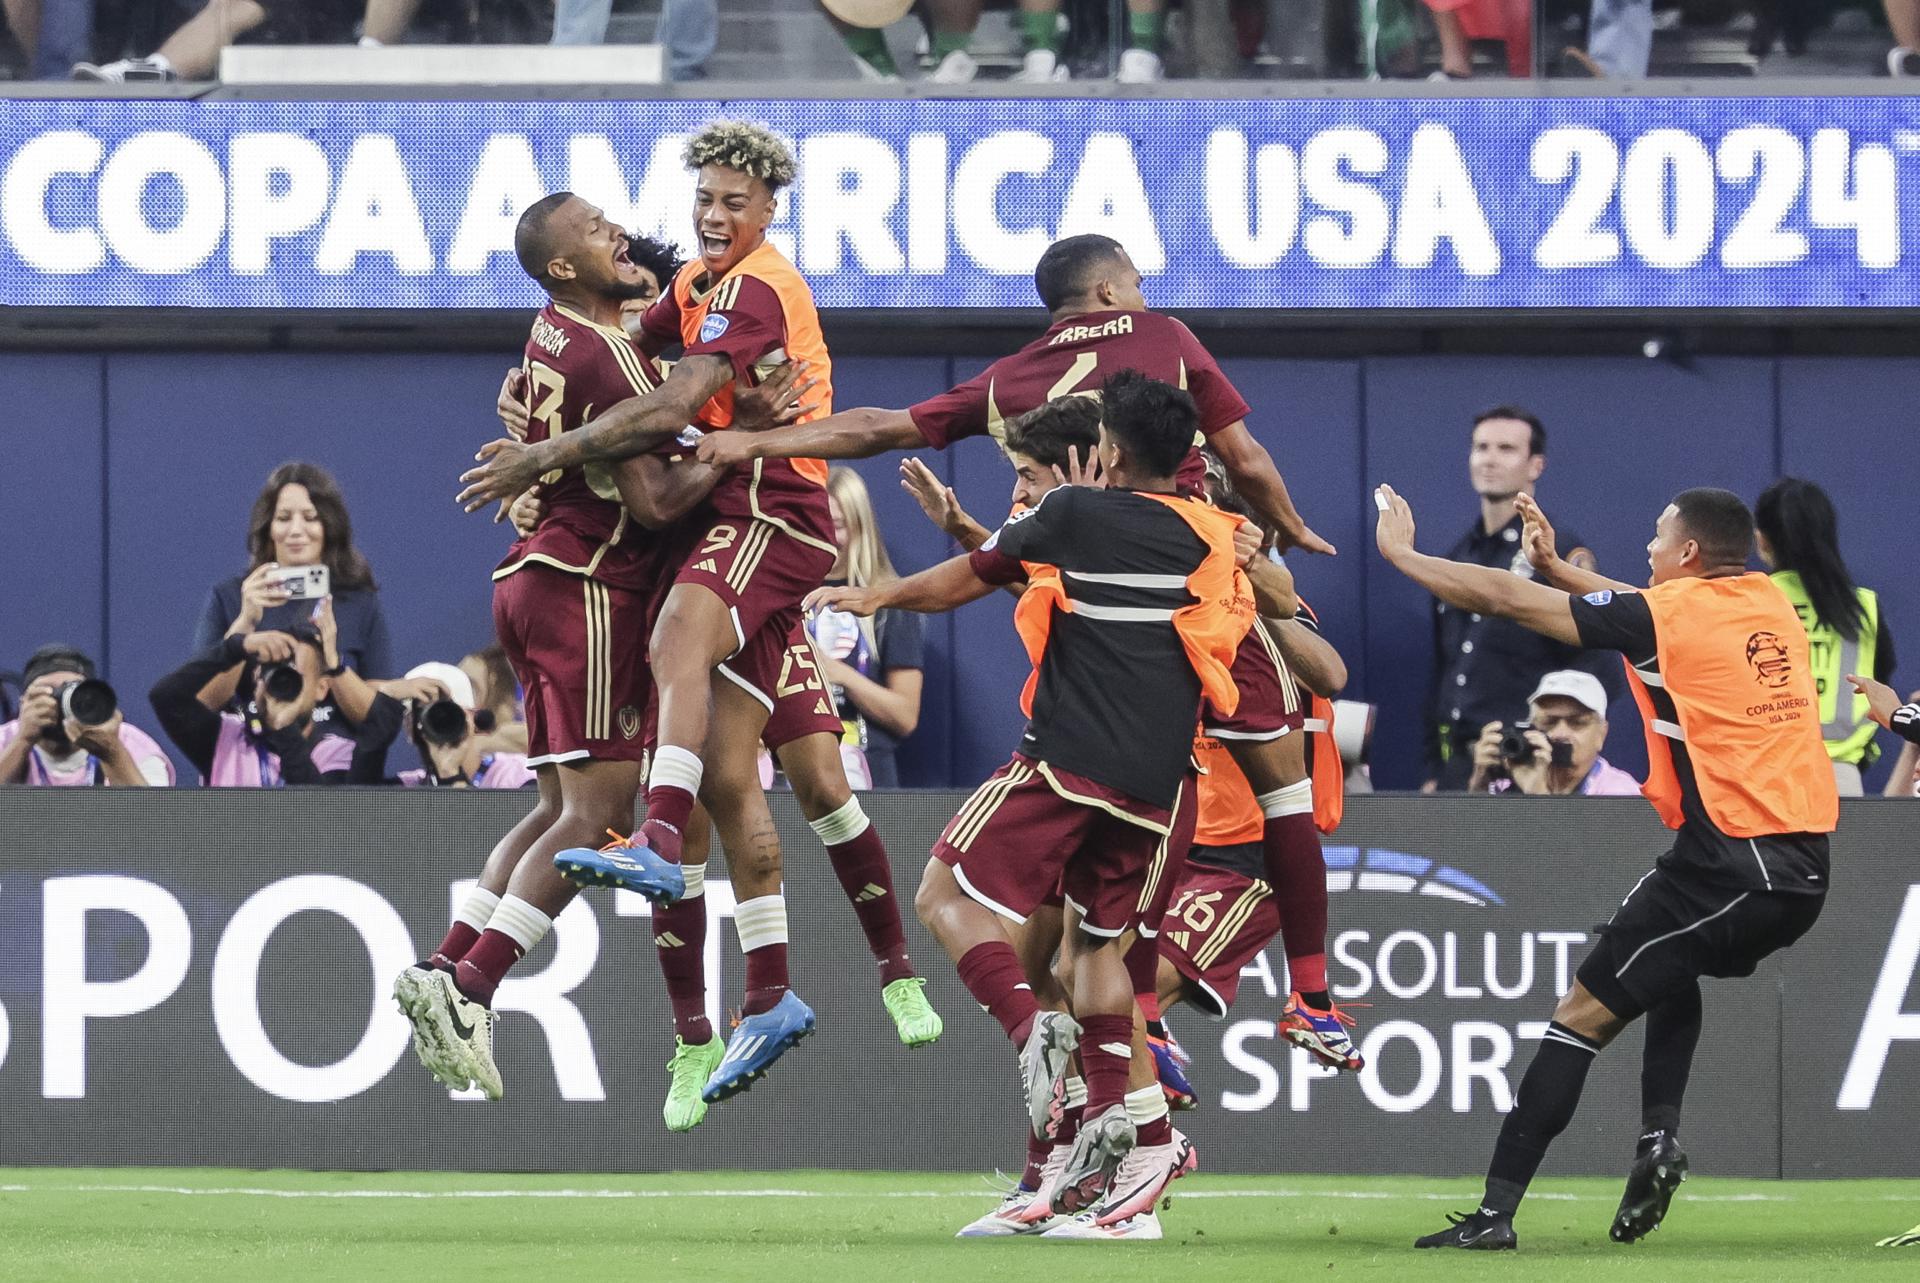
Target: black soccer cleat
(1480,1230)
(1657,1172)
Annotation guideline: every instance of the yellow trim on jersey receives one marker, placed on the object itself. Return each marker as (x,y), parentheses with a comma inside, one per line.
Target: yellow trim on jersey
(753,506)
(629,362)
(546,559)
(1157,869)
(1053,782)
(1230,923)
(1289,690)
(978,809)
(747,559)
(599,654)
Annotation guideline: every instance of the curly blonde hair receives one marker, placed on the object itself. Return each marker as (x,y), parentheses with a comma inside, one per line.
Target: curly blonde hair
(752,149)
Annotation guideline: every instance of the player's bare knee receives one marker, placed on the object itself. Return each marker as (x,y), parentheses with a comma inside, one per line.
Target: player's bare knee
(1587,1016)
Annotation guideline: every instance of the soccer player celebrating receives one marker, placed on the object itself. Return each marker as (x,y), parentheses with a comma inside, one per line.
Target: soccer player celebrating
(1144,616)
(739,309)
(1719,665)
(1100,323)
(569,607)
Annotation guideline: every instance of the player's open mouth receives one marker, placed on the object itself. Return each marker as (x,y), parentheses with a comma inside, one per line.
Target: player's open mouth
(620,256)
(714,246)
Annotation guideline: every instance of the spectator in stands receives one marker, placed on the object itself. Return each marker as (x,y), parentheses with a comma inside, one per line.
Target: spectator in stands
(1797,534)
(950,25)
(1460,22)
(1903,16)
(1619,39)
(687,29)
(45,747)
(282,736)
(1139,61)
(496,696)
(193,51)
(1558,750)
(1484,667)
(434,704)
(54,35)
(873,665)
(298,519)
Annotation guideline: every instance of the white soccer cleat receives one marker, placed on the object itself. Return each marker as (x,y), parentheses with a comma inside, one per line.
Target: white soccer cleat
(469,1032)
(1043,1068)
(1004,1220)
(1145,1225)
(1041,67)
(1139,67)
(418,993)
(1142,1179)
(1038,1215)
(1104,1140)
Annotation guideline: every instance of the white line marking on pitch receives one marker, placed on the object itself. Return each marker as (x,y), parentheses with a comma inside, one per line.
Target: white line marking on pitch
(1370,1195)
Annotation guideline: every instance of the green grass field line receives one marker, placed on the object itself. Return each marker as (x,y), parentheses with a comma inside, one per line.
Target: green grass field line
(197,1225)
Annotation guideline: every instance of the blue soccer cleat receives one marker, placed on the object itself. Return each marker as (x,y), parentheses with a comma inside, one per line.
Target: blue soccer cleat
(1170,1061)
(757,1042)
(627,863)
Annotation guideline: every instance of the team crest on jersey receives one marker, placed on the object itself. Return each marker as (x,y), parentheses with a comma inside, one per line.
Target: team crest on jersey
(629,722)
(713,327)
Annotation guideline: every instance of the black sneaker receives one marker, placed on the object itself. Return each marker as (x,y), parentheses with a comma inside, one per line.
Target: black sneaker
(1480,1230)
(1657,1172)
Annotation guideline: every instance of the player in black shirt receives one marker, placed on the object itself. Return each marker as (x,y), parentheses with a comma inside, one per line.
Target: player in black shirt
(1136,604)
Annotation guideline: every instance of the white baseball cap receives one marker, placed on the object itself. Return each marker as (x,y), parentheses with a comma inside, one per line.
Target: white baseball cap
(1582,688)
(458,685)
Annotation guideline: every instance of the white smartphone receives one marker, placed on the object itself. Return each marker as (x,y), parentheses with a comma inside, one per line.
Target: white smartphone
(303,583)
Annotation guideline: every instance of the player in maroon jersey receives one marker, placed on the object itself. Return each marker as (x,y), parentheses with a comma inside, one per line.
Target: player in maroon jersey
(1100,324)
(570,604)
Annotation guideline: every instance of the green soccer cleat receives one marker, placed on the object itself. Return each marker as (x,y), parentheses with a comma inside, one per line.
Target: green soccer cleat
(690,1067)
(1910,1239)
(915,1018)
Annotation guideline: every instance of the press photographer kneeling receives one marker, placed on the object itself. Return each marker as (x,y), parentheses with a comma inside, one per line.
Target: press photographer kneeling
(434,705)
(274,739)
(71,732)
(1558,749)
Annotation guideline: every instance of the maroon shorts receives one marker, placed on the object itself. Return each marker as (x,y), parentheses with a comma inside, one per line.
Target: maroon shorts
(1172,867)
(759,570)
(780,668)
(579,649)
(1218,922)
(1030,828)
(1270,702)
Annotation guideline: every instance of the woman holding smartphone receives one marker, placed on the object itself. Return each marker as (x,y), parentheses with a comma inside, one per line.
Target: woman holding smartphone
(300,549)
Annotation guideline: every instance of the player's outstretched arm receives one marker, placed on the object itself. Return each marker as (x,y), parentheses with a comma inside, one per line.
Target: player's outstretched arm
(1273,591)
(1261,485)
(850,434)
(1310,657)
(629,428)
(939,588)
(1537,539)
(1480,589)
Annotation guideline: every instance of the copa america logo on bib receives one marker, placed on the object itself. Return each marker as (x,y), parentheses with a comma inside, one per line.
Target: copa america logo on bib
(1600,598)
(712,328)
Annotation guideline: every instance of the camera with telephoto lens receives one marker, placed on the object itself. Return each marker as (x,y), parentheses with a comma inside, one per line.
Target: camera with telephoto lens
(282,683)
(442,722)
(88,701)
(1517,750)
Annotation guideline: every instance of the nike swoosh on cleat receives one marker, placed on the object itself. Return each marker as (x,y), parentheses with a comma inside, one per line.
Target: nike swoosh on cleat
(460,1026)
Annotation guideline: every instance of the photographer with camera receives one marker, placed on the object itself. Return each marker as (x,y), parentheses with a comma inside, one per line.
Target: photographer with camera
(275,740)
(71,733)
(1557,750)
(451,734)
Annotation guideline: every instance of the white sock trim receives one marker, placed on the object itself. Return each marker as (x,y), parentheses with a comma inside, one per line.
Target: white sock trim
(760,922)
(1294,799)
(479,907)
(1147,1105)
(696,876)
(520,922)
(844,825)
(675,767)
(1075,1092)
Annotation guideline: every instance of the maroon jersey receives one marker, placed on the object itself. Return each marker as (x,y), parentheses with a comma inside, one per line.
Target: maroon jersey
(758,315)
(575,369)
(1074,356)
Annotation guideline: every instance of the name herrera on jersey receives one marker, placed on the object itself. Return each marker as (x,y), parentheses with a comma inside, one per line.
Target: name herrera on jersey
(1081,333)
(548,337)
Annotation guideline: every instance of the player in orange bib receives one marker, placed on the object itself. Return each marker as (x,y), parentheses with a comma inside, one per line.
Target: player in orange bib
(1738,769)
(739,309)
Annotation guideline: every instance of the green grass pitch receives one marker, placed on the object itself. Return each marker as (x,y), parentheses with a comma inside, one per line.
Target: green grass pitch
(199,1225)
